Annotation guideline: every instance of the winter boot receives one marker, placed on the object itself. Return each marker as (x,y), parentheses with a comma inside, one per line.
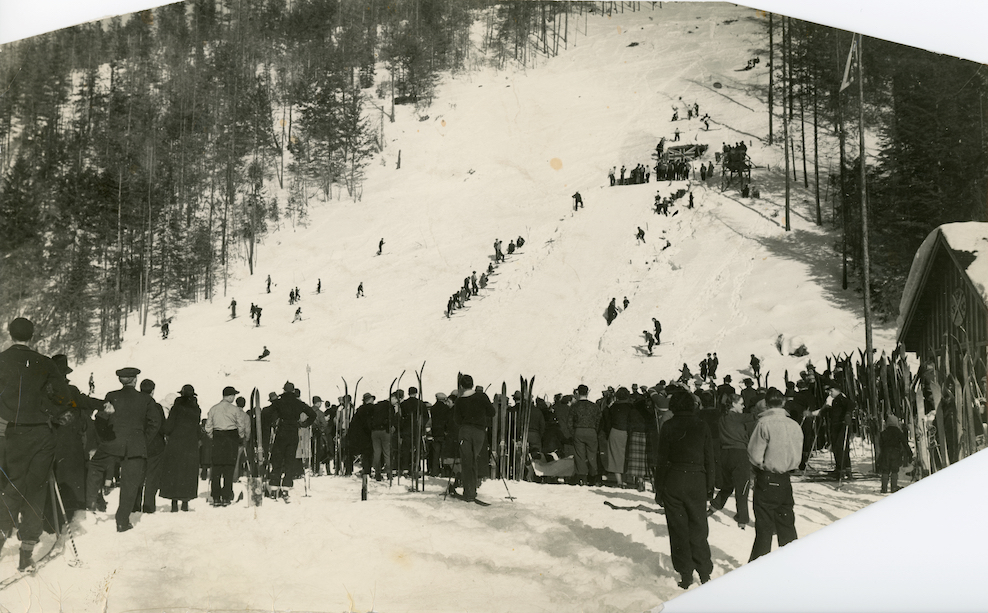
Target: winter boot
(27,561)
(174,506)
(685,581)
(185,505)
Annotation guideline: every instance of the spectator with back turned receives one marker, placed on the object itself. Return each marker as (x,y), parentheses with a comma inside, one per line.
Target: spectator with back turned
(472,411)
(32,391)
(774,449)
(684,478)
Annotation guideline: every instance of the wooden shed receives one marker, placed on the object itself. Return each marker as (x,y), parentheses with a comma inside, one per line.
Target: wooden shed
(944,308)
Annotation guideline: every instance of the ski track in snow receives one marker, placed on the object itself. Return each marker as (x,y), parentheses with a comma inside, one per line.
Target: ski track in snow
(479,169)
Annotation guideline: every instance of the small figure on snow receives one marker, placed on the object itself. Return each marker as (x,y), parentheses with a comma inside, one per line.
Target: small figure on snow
(690,205)
(756,366)
(511,247)
(380,246)
(258,314)
(253,311)
(649,339)
(291,297)
(483,281)
(577,201)
(611,313)
(473,283)
(519,242)
(360,289)
(658,330)
(640,235)
(498,255)
(233,309)
(298,315)
(92,385)
(319,286)
(269,284)
(298,294)
(164,330)
(625,302)
(610,175)
(264,353)
(675,135)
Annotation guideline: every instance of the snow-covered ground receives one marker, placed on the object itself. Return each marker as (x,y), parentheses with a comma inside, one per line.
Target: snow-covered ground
(498,156)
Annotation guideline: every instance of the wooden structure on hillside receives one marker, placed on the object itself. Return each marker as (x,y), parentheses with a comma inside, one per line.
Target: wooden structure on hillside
(943,319)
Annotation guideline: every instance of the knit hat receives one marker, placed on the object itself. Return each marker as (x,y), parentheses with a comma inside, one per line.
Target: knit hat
(21,329)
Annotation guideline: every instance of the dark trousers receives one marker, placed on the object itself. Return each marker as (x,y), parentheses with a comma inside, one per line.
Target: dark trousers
(226,447)
(585,447)
(773,506)
(381,439)
(735,473)
(471,448)
(131,477)
(809,434)
(685,500)
(283,456)
(30,452)
(435,457)
(147,494)
(842,452)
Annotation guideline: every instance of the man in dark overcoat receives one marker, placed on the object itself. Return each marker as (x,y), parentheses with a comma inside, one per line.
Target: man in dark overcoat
(134,421)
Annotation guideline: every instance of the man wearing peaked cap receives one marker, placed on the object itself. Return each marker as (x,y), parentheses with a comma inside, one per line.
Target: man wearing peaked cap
(134,421)
(228,426)
(32,391)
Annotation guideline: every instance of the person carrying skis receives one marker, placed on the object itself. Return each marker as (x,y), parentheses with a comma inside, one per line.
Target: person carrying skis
(233,309)
(472,411)
(264,354)
(773,450)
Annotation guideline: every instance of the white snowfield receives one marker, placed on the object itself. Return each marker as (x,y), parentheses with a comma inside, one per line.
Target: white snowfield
(499,156)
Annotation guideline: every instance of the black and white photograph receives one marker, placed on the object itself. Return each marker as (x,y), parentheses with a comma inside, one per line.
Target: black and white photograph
(568,306)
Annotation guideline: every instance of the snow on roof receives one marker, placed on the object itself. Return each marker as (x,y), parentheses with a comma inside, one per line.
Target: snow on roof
(967,236)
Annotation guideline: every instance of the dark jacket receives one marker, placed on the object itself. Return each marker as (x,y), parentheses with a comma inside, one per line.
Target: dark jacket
(735,430)
(895,450)
(135,420)
(156,445)
(473,410)
(359,432)
(180,464)
(685,444)
(440,413)
(617,415)
(285,411)
(584,414)
(382,416)
(32,388)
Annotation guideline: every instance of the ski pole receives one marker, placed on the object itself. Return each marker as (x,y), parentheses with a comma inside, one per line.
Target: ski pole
(510,497)
(68,526)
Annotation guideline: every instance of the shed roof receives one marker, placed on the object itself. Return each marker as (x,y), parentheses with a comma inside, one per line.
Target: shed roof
(967,244)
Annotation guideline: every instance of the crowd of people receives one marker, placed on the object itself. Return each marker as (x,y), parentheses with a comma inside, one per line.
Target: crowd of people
(697,441)
(473,284)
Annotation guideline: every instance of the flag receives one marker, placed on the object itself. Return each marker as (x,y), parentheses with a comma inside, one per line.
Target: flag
(852,57)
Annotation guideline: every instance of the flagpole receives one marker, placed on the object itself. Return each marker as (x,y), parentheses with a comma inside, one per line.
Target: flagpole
(869,351)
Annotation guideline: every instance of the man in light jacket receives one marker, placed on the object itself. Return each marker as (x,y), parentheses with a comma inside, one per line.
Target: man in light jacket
(775,448)
(227,425)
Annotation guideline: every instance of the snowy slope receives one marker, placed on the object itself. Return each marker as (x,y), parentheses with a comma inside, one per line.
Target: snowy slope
(499,156)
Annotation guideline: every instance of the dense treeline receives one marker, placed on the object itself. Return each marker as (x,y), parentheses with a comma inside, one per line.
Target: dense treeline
(141,156)
(923,112)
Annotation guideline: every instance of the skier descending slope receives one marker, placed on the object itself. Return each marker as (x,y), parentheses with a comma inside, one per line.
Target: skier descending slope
(472,411)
